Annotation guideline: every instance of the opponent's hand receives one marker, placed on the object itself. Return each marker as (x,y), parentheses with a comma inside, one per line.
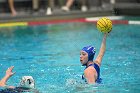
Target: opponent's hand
(9,72)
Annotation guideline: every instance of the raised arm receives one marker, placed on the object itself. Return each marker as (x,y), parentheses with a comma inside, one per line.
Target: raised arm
(8,74)
(102,50)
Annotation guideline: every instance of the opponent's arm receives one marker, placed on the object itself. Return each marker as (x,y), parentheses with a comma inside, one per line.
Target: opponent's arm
(9,73)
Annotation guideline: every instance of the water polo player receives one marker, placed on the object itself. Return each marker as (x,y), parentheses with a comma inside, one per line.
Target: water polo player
(92,71)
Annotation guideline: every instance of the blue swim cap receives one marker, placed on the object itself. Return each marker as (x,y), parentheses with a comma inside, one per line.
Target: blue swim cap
(91,52)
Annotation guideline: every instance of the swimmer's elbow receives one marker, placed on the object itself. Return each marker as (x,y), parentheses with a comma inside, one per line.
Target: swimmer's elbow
(99,59)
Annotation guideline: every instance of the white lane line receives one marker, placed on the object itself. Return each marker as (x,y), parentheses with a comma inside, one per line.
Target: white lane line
(110,17)
(134,22)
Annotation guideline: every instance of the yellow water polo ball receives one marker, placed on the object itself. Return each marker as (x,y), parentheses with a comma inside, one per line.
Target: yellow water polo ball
(104,25)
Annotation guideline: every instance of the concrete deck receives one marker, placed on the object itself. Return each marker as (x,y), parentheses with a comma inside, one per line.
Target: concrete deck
(25,15)
(58,14)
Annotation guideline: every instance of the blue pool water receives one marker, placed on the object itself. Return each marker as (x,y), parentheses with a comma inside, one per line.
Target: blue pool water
(50,54)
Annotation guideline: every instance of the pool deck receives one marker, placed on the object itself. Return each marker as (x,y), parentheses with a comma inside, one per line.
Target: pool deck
(29,17)
(58,14)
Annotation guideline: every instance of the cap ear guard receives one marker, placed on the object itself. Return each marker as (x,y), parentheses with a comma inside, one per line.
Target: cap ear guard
(27,81)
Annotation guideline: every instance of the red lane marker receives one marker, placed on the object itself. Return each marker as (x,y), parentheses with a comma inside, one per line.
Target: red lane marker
(72,20)
(55,21)
(120,22)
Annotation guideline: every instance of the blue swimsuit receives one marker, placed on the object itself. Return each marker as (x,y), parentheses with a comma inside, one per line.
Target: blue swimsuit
(97,68)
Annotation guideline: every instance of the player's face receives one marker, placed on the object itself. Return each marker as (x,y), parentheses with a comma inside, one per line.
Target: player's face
(83,57)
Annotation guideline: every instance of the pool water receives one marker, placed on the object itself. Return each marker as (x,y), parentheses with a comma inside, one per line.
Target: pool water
(50,53)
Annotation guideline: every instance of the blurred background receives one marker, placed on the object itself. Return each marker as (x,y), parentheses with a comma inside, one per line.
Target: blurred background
(59,9)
